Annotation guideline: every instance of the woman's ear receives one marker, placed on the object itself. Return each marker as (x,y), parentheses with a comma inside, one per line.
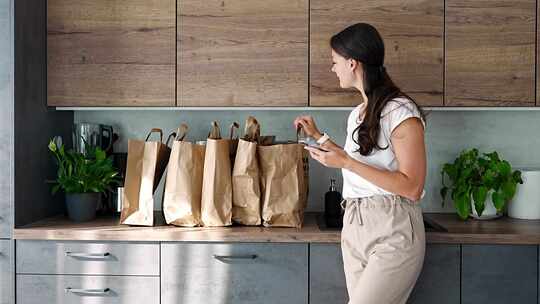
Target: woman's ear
(353,64)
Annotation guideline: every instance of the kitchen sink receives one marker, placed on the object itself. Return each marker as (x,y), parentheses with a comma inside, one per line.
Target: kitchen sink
(429,224)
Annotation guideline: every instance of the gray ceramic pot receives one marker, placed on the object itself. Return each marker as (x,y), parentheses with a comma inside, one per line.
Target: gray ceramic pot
(82,207)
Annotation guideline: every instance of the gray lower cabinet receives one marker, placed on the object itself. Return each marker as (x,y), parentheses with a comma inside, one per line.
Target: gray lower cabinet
(499,274)
(6,117)
(326,276)
(64,289)
(91,258)
(6,272)
(87,272)
(438,281)
(194,273)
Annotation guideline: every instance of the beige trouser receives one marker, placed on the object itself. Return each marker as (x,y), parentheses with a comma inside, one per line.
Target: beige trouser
(383,244)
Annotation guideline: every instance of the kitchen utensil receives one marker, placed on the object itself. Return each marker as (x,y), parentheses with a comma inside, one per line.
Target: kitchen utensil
(87,136)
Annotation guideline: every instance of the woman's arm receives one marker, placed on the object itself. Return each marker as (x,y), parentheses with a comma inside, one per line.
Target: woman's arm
(408,142)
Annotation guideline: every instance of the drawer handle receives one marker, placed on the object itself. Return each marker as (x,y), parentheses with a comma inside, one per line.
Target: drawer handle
(90,292)
(235,257)
(88,255)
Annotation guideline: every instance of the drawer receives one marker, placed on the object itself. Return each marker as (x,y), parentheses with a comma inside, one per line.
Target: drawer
(6,272)
(50,257)
(234,273)
(59,289)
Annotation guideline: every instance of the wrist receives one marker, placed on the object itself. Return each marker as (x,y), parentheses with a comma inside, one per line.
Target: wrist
(323,139)
(349,161)
(317,136)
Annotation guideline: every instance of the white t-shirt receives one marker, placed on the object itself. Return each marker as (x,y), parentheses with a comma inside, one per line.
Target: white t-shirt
(394,113)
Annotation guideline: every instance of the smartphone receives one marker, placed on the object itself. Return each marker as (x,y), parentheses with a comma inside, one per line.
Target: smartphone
(319,148)
(311,142)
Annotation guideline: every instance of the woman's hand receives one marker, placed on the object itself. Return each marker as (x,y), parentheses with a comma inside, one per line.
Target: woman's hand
(336,157)
(307,124)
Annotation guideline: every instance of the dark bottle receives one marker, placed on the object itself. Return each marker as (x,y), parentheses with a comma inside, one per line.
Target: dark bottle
(332,206)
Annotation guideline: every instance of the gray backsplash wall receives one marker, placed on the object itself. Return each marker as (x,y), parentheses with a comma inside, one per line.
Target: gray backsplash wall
(515,134)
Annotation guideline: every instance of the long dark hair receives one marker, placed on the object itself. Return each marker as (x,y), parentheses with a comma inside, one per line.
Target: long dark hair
(363,43)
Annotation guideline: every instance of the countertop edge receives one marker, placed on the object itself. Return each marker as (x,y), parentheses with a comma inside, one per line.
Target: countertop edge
(507,231)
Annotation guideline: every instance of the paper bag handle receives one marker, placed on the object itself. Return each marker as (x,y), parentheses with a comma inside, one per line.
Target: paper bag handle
(171,136)
(155,130)
(252,130)
(181,132)
(234,126)
(215,132)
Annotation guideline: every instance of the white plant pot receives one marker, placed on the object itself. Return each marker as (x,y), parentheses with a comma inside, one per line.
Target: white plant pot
(490,212)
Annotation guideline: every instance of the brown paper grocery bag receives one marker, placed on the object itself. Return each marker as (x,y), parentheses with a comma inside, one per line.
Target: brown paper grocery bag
(146,163)
(284,183)
(183,184)
(233,142)
(216,199)
(246,177)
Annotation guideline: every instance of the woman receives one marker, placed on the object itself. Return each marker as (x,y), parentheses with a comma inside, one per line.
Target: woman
(384,168)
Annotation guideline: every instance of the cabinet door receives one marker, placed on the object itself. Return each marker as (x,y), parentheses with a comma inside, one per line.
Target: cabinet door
(111,53)
(6,272)
(413,35)
(439,279)
(243,53)
(490,47)
(438,282)
(326,275)
(6,119)
(499,274)
(234,273)
(537,63)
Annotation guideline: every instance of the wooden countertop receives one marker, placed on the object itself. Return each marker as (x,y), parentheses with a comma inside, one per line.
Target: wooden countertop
(500,231)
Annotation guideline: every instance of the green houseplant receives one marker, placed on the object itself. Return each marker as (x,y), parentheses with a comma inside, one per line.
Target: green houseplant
(82,179)
(474,177)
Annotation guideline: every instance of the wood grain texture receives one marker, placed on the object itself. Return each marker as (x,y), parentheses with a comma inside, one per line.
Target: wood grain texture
(242,53)
(34,123)
(412,31)
(500,231)
(490,55)
(111,52)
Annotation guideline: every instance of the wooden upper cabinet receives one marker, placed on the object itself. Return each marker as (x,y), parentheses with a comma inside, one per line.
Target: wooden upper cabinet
(412,31)
(111,52)
(242,53)
(537,57)
(490,52)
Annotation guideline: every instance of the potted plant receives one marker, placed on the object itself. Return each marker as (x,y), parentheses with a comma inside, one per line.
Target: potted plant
(479,183)
(82,179)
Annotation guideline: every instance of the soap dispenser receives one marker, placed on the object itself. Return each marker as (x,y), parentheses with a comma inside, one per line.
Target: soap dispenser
(333,214)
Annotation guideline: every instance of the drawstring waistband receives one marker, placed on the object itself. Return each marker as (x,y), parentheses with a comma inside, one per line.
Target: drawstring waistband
(355,209)
(370,202)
